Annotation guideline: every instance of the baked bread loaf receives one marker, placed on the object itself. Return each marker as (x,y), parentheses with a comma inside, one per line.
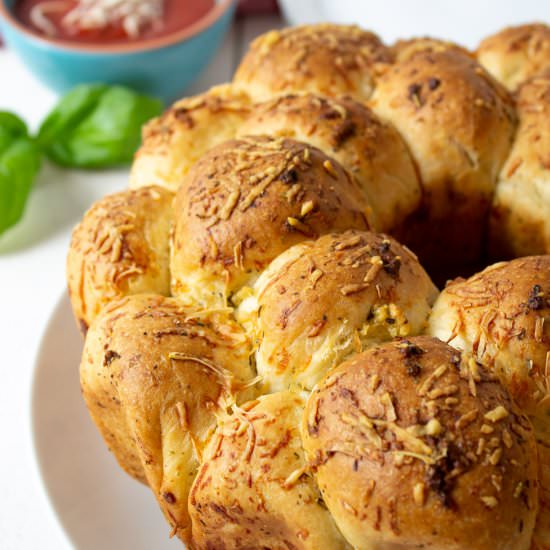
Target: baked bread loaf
(265,355)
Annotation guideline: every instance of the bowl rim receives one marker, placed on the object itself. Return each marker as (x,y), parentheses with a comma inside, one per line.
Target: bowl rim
(212,16)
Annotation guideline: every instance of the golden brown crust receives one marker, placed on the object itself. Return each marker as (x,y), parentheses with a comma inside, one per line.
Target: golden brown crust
(119,248)
(500,315)
(153,375)
(458,123)
(403,50)
(258,223)
(322,301)
(516,54)
(247,201)
(325,59)
(173,142)
(253,489)
(520,214)
(371,151)
(414,445)
(541,536)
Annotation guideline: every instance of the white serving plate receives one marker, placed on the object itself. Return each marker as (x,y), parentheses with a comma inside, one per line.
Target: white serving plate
(97,504)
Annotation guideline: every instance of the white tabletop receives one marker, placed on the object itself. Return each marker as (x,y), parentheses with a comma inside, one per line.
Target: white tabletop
(32,266)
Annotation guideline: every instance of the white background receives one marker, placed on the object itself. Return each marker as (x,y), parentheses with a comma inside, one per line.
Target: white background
(465,21)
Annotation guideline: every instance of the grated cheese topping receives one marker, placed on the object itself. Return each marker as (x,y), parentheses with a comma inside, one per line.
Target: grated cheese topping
(132,15)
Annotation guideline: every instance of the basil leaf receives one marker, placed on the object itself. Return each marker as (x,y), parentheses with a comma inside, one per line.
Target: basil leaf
(11,128)
(75,106)
(20,160)
(96,126)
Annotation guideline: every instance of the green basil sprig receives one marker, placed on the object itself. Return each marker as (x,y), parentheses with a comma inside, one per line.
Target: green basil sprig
(93,126)
(96,126)
(20,160)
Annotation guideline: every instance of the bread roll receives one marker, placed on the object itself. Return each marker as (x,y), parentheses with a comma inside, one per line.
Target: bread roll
(173,142)
(244,203)
(373,152)
(458,123)
(154,375)
(254,490)
(321,301)
(403,50)
(120,248)
(500,316)
(324,59)
(416,446)
(516,54)
(520,215)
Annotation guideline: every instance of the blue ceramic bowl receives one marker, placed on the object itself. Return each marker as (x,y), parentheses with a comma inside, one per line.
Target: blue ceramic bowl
(162,67)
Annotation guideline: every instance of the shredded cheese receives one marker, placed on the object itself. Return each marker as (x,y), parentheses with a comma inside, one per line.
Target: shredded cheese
(39,15)
(132,15)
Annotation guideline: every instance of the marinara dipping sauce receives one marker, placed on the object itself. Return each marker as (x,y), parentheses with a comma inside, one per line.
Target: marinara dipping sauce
(108,21)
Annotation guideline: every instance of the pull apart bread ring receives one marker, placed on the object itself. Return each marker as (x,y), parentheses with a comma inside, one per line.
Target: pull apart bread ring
(264,347)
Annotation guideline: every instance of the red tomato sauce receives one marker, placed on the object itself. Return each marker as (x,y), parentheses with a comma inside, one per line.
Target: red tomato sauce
(177,14)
